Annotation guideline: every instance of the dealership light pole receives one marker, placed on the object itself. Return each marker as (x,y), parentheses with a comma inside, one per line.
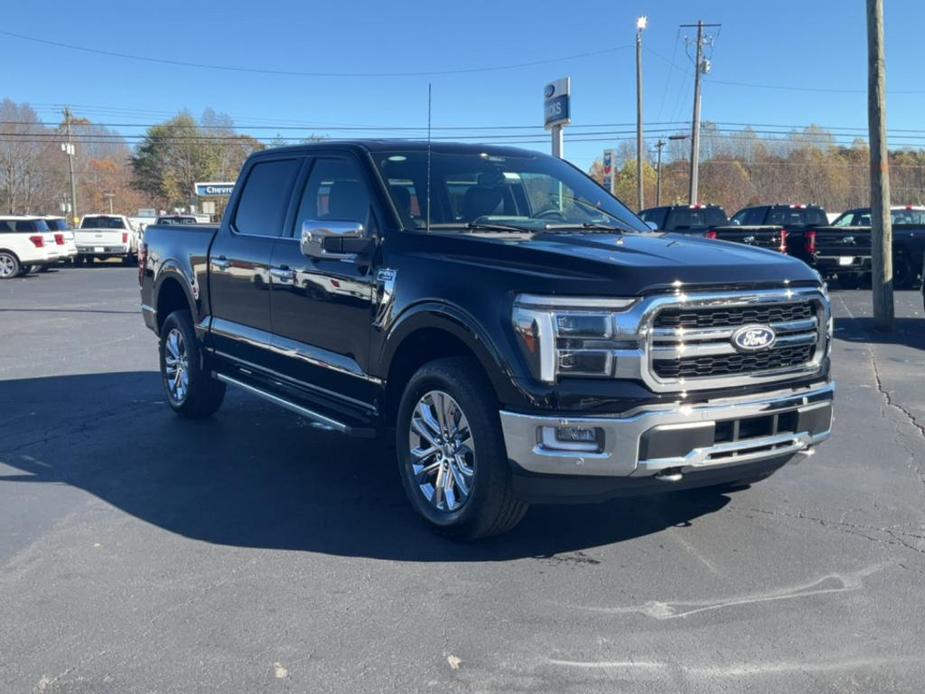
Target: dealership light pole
(641,23)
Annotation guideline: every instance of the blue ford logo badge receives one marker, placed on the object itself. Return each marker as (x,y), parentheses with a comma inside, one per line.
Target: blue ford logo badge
(752,338)
(549,90)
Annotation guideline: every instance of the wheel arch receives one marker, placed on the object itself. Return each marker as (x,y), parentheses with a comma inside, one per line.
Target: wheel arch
(172,294)
(435,331)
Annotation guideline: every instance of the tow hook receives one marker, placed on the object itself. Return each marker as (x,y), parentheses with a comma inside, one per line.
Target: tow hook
(671,474)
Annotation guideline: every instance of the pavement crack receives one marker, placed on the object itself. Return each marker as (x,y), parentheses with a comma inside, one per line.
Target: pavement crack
(896,536)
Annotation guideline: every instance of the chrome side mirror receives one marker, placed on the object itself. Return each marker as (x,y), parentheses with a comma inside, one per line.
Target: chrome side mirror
(332,240)
(652,225)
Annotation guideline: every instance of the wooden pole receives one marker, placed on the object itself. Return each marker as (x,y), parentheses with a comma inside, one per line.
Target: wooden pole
(881,223)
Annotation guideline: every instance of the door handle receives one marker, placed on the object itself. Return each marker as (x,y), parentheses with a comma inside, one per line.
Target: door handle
(283,273)
(222,263)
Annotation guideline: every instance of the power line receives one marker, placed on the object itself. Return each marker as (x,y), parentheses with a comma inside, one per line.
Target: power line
(299,73)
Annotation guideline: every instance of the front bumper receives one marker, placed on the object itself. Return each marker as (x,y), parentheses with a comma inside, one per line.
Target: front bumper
(671,440)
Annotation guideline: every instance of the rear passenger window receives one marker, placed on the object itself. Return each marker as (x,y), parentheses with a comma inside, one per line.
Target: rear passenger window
(262,208)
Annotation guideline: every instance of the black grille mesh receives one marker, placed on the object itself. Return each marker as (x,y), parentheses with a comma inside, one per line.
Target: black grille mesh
(732,364)
(730,317)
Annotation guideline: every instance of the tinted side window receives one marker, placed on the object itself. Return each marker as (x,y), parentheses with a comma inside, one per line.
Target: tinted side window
(31,225)
(755,216)
(262,208)
(5,226)
(335,191)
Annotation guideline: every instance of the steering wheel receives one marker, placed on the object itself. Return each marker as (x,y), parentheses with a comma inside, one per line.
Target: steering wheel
(551,213)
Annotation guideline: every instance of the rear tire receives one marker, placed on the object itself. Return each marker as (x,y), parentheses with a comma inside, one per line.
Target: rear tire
(9,265)
(448,408)
(190,389)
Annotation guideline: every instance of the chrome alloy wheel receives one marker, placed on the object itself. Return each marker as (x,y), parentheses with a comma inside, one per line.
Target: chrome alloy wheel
(442,451)
(176,366)
(7,265)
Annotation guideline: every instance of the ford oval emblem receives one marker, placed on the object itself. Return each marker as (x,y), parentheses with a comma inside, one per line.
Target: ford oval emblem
(549,91)
(753,338)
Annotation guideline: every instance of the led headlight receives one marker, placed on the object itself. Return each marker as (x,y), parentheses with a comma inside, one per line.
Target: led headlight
(567,336)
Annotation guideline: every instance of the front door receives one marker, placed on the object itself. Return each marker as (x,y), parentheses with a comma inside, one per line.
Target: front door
(239,261)
(322,308)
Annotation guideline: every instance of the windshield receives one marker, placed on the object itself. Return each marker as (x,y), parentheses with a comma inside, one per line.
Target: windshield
(102,223)
(532,192)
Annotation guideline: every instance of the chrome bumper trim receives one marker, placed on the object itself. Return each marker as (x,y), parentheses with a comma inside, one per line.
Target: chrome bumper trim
(618,456)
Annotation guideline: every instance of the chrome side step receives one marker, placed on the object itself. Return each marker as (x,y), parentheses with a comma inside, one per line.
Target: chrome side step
(323,421)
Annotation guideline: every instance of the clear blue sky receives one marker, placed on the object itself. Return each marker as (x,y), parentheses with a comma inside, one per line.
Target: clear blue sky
(804,44)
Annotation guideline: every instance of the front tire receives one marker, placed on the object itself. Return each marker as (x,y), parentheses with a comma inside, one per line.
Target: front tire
(451,454)
(191,391)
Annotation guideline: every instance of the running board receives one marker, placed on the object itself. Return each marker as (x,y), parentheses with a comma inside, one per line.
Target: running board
(323,421)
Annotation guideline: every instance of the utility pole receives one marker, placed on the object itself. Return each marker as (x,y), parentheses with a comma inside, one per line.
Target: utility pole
(68,148)
(641,23)
(658,171)
(881,223)
(701,67)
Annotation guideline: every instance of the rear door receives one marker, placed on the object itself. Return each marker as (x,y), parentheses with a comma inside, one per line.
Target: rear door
(239,260)
(321,308)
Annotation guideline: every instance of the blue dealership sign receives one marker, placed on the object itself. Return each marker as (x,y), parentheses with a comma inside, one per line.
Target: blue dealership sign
(214,189)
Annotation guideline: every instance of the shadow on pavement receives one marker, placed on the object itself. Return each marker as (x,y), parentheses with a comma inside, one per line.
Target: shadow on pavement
(257,476)
(908,331)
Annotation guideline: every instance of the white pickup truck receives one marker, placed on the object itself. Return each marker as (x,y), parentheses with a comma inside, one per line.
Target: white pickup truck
(106,236)
(25,242)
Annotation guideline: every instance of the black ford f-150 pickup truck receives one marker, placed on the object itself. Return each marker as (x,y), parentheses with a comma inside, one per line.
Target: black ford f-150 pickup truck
(783,228)
(844,249)
(519,332)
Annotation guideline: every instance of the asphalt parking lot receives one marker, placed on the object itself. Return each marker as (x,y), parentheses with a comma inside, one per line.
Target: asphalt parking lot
(139,552)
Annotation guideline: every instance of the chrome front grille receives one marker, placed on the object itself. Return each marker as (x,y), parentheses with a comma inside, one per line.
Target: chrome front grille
(691,343)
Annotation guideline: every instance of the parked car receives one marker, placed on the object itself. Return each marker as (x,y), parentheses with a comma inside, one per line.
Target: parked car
(63,235)
(523,336)
(25,242)
(784,228)
(844,249)
(686,219)
(102,236)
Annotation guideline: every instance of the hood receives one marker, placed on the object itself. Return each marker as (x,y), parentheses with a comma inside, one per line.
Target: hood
(628,263)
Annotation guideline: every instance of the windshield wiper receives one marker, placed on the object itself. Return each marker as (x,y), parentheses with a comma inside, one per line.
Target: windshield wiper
(492,226)
(587,226)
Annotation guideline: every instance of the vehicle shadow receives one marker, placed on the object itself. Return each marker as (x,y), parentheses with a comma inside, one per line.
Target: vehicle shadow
(257,476)
(909,332)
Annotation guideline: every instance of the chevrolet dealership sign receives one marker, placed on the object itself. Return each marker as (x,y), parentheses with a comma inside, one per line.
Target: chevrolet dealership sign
(214,189)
